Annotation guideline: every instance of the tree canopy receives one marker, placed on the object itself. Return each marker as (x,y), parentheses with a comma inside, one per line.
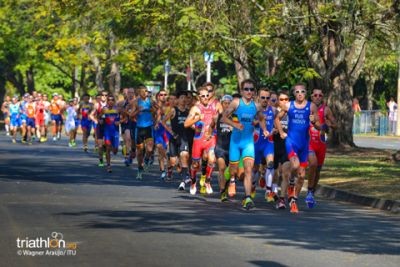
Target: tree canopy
(347,48)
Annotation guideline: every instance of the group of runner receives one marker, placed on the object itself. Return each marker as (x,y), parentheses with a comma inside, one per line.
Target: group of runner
(260,138)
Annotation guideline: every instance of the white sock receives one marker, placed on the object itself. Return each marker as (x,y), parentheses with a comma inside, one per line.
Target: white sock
(269,174)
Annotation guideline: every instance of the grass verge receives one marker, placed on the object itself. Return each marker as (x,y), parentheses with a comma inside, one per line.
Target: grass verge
(364,171)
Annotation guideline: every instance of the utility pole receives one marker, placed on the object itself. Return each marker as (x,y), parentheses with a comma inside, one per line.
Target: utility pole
(398,91)
(208,58)
(167,69)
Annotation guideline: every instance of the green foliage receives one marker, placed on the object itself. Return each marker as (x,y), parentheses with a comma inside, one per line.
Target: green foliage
(382,103)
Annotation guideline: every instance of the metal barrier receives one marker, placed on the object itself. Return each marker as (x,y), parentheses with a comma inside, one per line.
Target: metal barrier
(370,121)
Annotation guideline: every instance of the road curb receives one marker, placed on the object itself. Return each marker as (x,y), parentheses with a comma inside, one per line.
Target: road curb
(392,206)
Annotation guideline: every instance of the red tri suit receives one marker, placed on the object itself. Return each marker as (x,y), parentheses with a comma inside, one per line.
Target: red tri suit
(317,138)
(200,142)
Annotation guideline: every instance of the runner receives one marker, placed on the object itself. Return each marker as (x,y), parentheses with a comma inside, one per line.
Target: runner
(56,118)
(245,112)
(317,149)
(222,148)
(70,125)
(128,125)
(179,141)
(6,114)
(22,116)
(143,108)
(96,117)
(202,117)
(300,114)
(280,157)
(111,119)
(14,117)
(85,108)
(264,146)
(161,135)
(30,119)
(40,119)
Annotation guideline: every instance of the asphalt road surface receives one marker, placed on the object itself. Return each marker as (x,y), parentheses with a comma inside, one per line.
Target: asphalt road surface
(114,220)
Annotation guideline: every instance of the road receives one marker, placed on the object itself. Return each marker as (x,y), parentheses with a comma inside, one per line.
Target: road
(115,220)
(381,142)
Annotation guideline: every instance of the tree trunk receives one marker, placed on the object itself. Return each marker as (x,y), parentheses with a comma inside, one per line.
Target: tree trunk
(82,83)
(30,80)
(370,80)
(241,65)
(340,101)
(16,79)
(75,81)
(114,78)
(97,66)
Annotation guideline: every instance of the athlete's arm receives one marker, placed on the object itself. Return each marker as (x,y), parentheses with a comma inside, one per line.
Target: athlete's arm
(329,118)
(314,118)
(278,124)
(93,114)
(193,117)
(226,115)
(262,121)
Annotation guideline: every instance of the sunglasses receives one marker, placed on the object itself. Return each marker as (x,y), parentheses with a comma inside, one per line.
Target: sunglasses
(204,96)
(273,99)
(265,97)
(211,91)
(284,99)
(163,94)
(111,99)
(317,95)
(300,91)
(249,89)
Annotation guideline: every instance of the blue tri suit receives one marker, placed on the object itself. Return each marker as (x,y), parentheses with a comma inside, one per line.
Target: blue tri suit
(264,145)
(298,137)
(242,141)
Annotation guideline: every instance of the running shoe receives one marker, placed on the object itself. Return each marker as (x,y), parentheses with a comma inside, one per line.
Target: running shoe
(232,189)
(30,143)
(269,196)
(209,189)
(202,180)
(85,148)
(14,141)
(261,182)
(281,204)
(23,141)
(73,144)
(101,164)
(181,186)
(293,206)
(139,175)
(130,160)
(248,203)
(193,189)
(109,169)
(310,201)
(224,196)
(54,138)
(163,175)
(42,140)
(126,161)
(253,191)
(69,144)
(8,134)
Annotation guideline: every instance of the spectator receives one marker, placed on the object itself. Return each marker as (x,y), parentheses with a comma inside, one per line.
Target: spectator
(356,106)
(392,105)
